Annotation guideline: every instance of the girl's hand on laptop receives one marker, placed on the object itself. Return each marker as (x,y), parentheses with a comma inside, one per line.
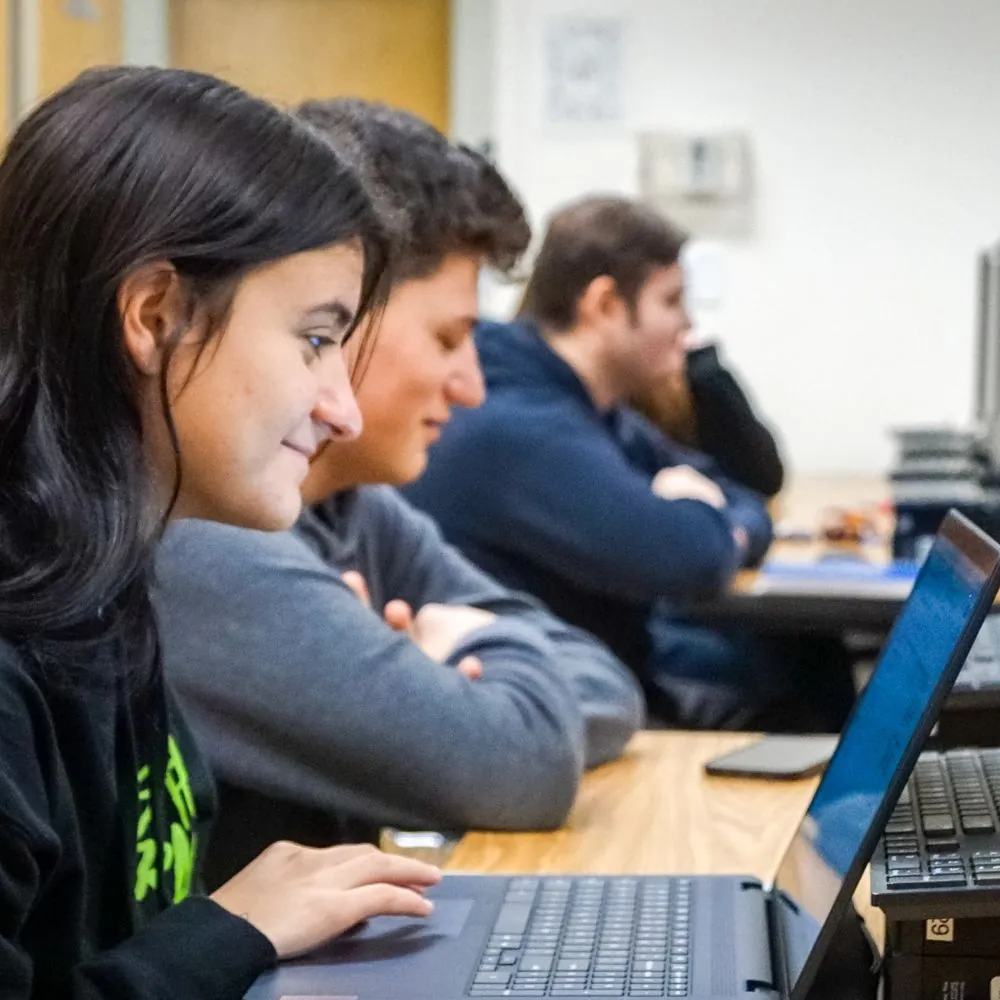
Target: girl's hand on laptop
(301,897)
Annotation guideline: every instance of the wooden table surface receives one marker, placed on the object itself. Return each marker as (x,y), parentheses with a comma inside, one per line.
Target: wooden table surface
(656,812)
(801,507)
(801,504)
(845,599)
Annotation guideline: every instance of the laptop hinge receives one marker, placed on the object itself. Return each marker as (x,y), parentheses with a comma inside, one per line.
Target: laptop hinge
(755,960)
(776,940)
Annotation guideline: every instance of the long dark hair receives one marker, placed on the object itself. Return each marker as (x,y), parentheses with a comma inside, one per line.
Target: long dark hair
(121,168)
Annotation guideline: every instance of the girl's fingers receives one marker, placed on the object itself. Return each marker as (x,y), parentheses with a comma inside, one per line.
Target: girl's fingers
(389,868)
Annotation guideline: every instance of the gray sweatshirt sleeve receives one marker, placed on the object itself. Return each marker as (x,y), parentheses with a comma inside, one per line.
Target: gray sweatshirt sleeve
(296,690)
(416,564)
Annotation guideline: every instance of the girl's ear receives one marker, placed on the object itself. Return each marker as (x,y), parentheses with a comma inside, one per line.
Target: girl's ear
(151,305)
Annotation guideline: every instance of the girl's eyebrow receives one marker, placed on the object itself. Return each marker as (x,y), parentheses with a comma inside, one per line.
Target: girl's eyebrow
(335,310)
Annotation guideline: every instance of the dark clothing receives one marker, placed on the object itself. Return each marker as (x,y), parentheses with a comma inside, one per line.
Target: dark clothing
(103,803)
(553,496)
(727,427)
(706,678)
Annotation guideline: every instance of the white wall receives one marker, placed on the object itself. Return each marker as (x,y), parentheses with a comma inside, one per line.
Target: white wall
(146,32)
(876,135)
(472,104)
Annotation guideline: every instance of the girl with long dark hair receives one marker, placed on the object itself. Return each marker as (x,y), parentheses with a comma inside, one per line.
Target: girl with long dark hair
(180,265)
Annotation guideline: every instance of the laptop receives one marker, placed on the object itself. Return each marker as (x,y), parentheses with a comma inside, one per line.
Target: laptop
(673,936)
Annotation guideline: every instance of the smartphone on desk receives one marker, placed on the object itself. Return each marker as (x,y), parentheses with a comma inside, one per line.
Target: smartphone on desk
(776,758)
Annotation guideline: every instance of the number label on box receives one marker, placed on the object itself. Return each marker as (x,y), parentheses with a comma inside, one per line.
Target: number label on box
(941,929)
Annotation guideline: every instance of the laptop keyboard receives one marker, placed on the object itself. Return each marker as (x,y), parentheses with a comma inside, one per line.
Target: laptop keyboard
(943,832)
(599,937)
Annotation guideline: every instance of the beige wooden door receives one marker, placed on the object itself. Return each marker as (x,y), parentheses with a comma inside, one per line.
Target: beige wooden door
(289,50)
(69,42)
(6,68)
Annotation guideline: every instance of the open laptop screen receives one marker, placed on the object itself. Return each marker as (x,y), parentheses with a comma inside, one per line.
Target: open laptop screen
(885,733)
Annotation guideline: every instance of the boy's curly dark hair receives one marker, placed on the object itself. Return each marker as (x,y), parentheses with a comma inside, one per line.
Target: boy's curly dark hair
(438,198)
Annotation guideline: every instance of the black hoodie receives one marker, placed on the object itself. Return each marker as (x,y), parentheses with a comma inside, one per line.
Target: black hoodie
(103,802)
(728,428)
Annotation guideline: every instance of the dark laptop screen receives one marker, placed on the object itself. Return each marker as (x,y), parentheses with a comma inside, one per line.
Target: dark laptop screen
(920,659)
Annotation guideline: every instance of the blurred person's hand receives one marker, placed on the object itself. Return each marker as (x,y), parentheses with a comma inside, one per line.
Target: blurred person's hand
(358,586)
(439,628)
(681,482)
(397,614)
(436,626)
(742,540)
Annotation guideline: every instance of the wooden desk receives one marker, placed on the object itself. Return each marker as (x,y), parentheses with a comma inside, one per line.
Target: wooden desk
(802,502)
(655,812)
(769,603)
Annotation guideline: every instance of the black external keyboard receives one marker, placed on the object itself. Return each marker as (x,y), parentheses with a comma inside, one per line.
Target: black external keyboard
(943,833)
(600,937)
(971,714)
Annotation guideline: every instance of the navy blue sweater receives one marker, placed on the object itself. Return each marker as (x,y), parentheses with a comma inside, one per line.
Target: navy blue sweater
(553,496)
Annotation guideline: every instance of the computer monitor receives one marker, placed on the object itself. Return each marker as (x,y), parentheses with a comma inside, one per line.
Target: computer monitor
(987,355)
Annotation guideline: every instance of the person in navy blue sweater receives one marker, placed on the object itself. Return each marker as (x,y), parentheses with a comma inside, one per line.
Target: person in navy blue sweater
(555,486)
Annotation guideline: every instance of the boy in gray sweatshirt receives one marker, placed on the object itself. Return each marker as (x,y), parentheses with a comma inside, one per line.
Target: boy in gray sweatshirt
(415,690)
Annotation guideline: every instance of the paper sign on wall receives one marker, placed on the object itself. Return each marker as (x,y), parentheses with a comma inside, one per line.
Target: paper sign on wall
(584,62)
(702,181)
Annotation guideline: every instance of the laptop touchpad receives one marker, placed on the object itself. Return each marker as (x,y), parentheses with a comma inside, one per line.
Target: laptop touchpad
(387,938)
(399,958)
(447,920)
